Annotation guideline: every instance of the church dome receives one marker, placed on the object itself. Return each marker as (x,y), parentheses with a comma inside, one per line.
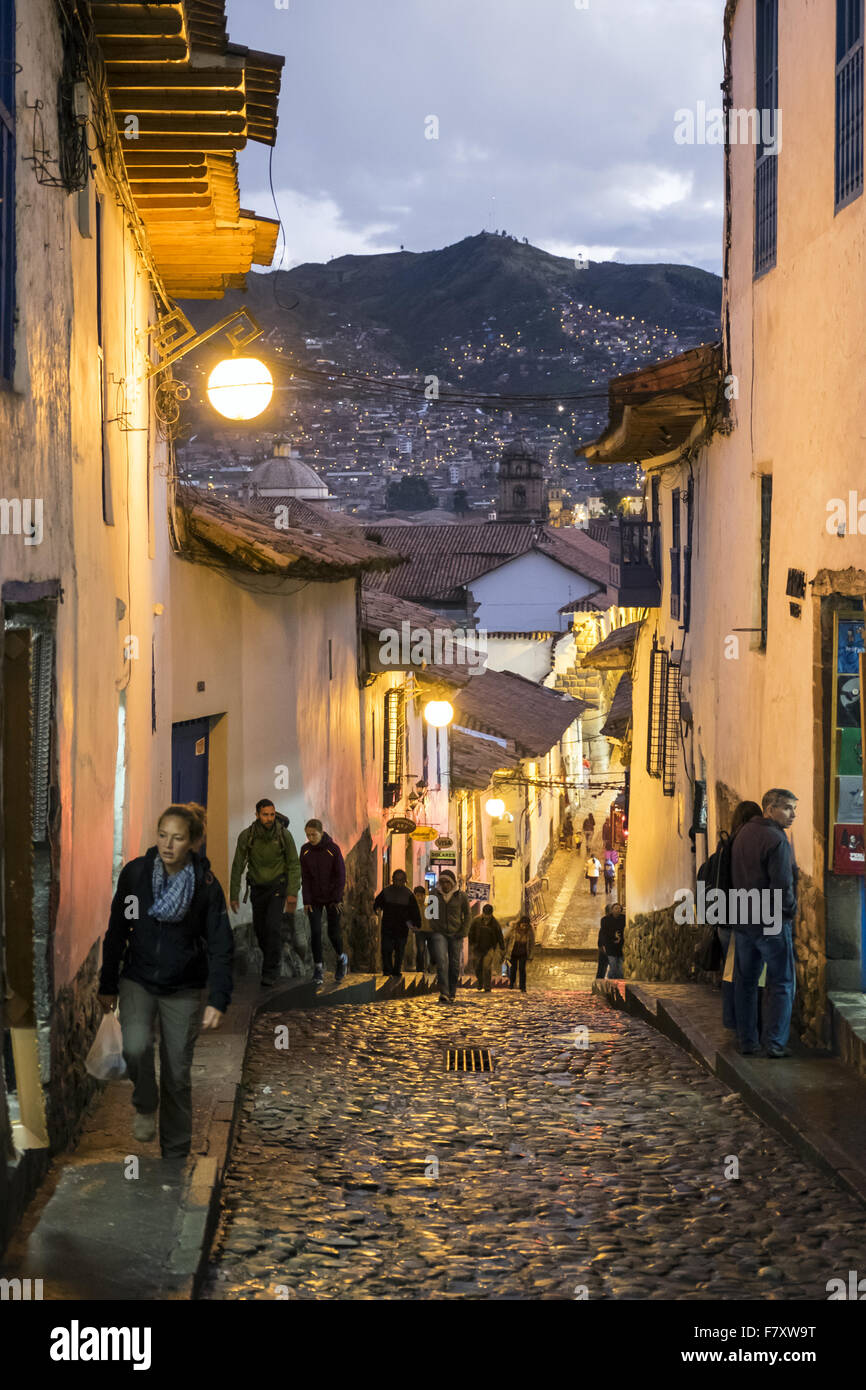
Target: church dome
(286,475)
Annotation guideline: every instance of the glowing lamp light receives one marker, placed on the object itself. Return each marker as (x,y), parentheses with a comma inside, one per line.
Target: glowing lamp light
(240,387)
(495,807)
(438,713)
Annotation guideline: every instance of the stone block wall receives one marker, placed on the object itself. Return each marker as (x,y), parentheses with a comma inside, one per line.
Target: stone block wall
(659,948)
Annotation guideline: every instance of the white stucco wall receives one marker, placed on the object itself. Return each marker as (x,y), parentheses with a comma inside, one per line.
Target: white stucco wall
(525,595)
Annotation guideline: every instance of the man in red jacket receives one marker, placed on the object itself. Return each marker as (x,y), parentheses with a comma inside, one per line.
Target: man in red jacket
(323,879)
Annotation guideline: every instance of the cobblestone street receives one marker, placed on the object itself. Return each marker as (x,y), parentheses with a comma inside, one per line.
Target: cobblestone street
(362,1170)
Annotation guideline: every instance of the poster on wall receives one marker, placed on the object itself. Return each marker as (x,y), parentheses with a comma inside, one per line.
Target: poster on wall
(845,790)
(848,852)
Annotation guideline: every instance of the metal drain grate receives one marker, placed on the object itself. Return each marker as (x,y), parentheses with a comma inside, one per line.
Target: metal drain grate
(468,1059)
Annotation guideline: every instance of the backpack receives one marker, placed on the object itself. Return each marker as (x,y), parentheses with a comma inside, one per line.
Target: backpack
(281,823)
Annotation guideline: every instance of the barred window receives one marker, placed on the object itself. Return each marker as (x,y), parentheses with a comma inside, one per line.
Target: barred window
(676,571)
(656,722)
(394,737)
(766,160)
(672,729)
(849,101)
(7,190)
(766,520)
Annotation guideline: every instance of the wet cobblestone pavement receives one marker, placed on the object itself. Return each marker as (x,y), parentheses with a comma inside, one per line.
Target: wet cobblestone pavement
(363,1171)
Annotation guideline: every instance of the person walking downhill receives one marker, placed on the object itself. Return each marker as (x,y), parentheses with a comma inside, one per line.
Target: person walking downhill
(588,830)
(323,878)
(762,858)
(591,873)
(447,911)
(611,944)
(485,934)
(609,876)
(423,955)
(168,936)
(521,948)
(398,909)
(267,851)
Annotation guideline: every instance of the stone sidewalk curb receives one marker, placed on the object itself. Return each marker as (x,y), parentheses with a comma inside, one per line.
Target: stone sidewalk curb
(199,1209)
(813,1100)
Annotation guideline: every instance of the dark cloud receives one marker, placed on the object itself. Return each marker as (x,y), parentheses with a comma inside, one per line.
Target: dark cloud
(554,122)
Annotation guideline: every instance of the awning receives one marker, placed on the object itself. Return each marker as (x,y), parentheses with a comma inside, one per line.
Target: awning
(473,761)
(185,100)
(615,652)
(654,412)
(619,714)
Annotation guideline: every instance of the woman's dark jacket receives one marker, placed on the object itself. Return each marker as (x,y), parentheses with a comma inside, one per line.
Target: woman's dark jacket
(168,956)
(612,934)
(323,872)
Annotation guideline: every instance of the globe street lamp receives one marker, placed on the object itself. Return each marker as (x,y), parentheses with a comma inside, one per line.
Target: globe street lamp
(438,713)
(495,807)
(240,388)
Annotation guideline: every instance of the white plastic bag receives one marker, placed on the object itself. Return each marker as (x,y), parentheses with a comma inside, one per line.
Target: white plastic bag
(105,1058)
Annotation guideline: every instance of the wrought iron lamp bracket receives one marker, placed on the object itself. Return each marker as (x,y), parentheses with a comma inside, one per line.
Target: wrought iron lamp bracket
(174,336)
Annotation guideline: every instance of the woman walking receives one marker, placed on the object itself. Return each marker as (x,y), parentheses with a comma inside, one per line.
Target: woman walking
(521,947)
(168,936)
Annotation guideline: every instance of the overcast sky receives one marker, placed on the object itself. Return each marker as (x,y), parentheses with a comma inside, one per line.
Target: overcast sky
(554,122)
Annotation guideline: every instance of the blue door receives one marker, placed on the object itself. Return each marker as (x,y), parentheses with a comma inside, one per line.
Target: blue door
(190,742)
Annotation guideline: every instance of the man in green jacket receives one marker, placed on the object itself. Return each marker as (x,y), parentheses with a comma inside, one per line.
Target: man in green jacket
(267,851)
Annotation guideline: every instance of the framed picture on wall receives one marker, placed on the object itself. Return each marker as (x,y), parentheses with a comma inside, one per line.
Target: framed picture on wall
(849,856)
(850,753)
(849,804)
(850,645)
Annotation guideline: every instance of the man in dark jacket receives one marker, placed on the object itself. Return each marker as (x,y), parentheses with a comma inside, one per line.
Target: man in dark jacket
(447,912)
(485,935)
(762,860)
(168,936)
(267,851)
(323,876)
(399,910)
(611,943)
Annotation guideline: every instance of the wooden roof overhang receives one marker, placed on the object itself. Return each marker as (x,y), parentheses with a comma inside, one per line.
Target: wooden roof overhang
(656,412)
(185,101)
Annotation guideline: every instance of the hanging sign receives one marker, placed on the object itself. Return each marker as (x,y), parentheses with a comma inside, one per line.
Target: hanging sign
(444,856)
(401,825)
(444,842)
(425,832)
(478,892)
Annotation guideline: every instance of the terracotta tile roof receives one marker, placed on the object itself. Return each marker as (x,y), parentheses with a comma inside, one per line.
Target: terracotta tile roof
(530,716)
(443,559)
(212,527)
(619,714)
(653,411)
(473,761)
(381,611)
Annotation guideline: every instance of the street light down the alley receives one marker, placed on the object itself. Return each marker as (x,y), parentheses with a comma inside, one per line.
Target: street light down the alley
(240,388)
(495,807)
(438,713)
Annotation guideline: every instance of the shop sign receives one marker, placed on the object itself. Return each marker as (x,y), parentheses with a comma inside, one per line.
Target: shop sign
(444,842)
(401,825)
(443,856)
(478,892)
(425,832)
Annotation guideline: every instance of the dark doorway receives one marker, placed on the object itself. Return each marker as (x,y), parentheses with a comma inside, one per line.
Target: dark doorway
(190,748)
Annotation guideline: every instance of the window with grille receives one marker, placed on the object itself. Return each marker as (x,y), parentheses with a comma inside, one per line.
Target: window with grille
(766,160)
(671,729)
(7,190)
(675,553)
(656,722)
(687,561)
(766,518)
(849,101)
(394,737)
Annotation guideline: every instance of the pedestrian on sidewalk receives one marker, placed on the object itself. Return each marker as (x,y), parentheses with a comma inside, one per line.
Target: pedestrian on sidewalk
(716,873)
(447,911)
(762,858)
(267,851)
(168,936)
(609,876)
(521,949)
(485,935)
(423,954)
(323,877)
(398,912)
(591,873)
(611,944)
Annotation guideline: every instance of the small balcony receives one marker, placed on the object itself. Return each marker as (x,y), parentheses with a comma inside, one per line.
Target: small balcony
(635,562)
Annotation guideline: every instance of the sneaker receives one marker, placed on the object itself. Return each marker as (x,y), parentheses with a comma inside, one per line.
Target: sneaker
(318,975)
(342,967)
(268,980)
(779,1052)
(748,1051)
(144,1126)
(443,999)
